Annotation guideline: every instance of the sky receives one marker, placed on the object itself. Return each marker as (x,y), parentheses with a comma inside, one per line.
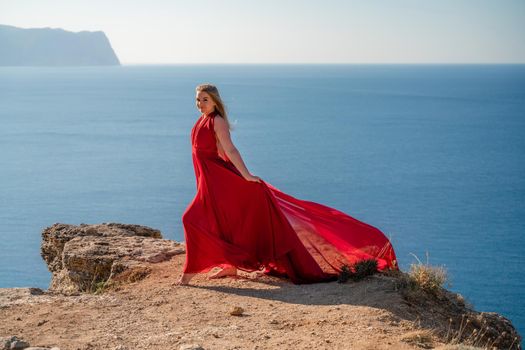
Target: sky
(289,31)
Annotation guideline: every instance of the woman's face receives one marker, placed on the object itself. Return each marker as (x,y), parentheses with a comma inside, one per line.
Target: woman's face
(204,102)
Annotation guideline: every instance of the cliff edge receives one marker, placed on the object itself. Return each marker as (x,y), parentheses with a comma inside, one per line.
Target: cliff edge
(113,288)
(54,47)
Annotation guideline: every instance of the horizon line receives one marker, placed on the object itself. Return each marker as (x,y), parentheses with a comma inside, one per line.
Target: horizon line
(318,63)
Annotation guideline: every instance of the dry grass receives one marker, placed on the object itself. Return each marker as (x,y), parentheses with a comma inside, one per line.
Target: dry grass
(458,347)
(426,282)
(467,338)
(420,338)
(427,277)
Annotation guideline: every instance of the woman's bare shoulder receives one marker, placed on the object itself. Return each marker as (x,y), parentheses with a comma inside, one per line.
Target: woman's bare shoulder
(219,121)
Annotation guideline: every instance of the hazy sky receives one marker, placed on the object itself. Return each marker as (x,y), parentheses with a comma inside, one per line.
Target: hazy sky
(290,31)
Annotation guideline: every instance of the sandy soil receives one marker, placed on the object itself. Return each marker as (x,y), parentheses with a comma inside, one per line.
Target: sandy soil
(155,314)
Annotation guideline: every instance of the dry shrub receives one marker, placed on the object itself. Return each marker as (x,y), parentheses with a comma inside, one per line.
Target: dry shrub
(427,277)
(358,271)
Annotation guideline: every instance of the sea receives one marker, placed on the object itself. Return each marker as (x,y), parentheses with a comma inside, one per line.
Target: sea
(432,155)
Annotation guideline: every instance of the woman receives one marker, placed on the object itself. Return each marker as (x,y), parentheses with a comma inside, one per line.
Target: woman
(238,221)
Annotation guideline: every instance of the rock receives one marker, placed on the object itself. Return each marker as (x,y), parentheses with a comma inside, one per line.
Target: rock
(36,291)
(20,295)
(190,347)
(5,343)
(120,347)
(12,343)
(237,311)
(86,257)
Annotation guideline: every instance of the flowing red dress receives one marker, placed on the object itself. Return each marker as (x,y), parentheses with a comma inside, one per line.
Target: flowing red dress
(255,226)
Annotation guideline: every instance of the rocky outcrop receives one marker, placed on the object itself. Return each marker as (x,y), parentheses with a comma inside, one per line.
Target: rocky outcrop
(451,316)
(85,258)
(147,311)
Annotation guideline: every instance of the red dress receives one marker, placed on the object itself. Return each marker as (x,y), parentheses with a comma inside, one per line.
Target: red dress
(255,226)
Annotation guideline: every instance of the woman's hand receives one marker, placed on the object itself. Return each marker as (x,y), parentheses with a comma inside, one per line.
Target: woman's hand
(252,178)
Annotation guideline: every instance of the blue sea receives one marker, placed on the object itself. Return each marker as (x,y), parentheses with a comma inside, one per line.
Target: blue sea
(433,155)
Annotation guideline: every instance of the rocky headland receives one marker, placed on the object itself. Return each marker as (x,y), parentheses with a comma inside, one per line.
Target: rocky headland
(113,288)
(54,47)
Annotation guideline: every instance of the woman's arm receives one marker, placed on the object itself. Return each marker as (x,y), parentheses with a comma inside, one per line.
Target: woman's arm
(223,135)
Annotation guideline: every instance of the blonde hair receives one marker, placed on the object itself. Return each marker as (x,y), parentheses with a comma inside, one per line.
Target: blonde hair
(220,108)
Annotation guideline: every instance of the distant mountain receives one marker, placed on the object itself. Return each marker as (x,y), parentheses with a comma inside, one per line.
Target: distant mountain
(54,47)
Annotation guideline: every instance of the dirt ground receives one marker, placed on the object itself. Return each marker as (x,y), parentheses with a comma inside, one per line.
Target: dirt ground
(156,314)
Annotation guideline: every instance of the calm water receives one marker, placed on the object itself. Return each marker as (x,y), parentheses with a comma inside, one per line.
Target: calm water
(431,155)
